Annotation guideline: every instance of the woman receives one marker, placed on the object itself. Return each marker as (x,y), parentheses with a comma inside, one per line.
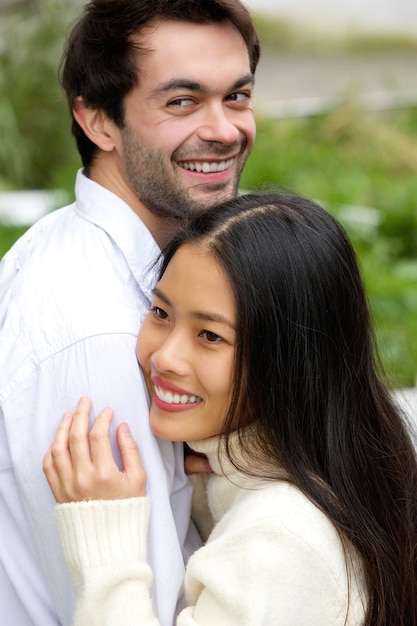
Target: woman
(258,351)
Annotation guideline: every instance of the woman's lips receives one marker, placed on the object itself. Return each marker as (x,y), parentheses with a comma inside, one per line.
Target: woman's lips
(169,397)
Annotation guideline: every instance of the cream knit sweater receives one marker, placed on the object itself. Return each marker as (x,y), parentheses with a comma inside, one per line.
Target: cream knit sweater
(272,559)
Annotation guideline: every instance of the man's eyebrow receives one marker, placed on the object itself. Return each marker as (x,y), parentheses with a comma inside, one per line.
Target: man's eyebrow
(194,86)
(249,79)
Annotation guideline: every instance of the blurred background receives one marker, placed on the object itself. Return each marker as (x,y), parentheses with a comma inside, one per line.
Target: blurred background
(336,107)
(344,16)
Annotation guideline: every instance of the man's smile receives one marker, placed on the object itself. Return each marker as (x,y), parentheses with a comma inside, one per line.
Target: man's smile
(206,167)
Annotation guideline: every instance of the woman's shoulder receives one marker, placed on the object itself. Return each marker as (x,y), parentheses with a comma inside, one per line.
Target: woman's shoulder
(279,513)
(275,532)
(281,503)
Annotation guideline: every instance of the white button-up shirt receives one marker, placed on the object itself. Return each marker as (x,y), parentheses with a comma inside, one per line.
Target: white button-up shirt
(73,292)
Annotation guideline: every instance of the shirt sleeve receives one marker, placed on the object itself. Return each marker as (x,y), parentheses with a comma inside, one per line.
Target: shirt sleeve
(105,368)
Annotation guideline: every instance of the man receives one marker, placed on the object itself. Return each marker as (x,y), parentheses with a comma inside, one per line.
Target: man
(160,94)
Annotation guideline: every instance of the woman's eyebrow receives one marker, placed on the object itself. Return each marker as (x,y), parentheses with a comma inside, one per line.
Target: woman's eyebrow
(159,294)
(206,316)
(212,317)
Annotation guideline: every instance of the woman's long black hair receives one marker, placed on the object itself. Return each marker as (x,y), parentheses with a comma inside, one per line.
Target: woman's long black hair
(307,383)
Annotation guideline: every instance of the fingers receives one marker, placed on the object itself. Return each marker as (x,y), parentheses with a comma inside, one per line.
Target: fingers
(196,464)
(101,452)
(79,466)
(67,465)
(78,435)
(57,462)
(132,463)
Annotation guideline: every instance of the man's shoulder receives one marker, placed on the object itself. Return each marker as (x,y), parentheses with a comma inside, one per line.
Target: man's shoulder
(38,236)
(66,282)
(63,249)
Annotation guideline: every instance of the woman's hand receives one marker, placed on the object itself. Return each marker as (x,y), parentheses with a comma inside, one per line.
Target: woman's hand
(79,466)
(195,463)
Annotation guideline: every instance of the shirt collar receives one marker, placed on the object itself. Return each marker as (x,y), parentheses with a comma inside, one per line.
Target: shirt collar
(106,210)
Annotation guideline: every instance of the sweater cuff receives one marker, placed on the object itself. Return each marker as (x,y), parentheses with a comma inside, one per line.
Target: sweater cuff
(99,533)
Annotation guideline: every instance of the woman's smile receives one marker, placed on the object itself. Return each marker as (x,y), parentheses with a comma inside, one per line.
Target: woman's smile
(168,394)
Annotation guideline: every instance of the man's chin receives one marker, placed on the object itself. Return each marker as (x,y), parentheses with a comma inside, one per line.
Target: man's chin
(213,195)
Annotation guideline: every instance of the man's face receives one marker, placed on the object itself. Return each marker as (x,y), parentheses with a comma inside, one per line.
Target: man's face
(189,124)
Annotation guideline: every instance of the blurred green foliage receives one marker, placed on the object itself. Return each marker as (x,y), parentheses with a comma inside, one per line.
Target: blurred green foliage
(361,167)
(36,147)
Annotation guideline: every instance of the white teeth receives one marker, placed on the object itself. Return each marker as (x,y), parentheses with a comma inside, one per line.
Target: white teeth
(175,398)
(206,167)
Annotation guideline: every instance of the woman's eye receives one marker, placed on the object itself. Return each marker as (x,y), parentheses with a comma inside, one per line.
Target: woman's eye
(160,313)
(210,337)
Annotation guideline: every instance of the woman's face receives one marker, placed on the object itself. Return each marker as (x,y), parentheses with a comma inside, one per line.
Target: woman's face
(186,347)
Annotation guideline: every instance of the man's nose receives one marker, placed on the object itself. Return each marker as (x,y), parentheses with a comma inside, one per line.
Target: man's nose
(218,125)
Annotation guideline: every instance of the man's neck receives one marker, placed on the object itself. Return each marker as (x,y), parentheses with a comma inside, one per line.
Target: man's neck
(107,172)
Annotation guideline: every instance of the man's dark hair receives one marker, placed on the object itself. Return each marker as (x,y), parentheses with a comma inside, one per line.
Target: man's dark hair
(100,61)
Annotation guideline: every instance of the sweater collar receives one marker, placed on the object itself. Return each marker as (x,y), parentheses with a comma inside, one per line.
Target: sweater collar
(215,450)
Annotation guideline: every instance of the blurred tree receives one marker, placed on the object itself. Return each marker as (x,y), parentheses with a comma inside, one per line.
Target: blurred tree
(35,137)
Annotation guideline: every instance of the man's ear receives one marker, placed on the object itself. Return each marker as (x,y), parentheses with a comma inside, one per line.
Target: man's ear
(95,123)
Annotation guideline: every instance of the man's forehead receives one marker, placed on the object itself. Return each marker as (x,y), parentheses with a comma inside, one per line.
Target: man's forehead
(174,52)
(157,34)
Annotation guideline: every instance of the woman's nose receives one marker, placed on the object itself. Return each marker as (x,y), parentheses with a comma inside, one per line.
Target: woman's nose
(172,355)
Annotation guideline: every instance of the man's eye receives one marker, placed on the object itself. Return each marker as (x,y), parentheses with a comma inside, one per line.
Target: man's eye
(181,102)
(160,313)
(239,96)
(210,337)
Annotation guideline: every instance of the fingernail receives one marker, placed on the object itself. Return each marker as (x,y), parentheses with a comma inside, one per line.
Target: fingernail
(66,416)
(124,428)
